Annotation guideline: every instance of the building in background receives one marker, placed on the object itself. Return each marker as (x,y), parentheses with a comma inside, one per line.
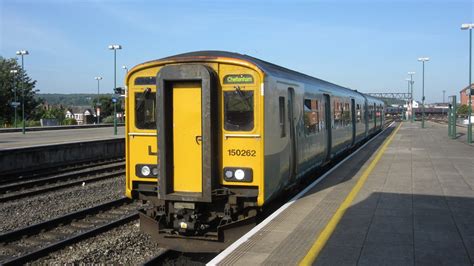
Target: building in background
(82,114)
(464,96)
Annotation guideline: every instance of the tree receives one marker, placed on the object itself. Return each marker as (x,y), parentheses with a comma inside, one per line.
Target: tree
(462,110)
(11,82)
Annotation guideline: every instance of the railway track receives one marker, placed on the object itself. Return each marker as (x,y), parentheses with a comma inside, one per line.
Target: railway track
(34,186)
(35,241)
(36,174)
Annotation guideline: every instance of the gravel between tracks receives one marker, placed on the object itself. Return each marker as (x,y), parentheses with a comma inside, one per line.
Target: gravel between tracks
(123,245)
(39,208)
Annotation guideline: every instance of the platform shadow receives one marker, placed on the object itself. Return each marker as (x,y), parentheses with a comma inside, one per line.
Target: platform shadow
(403,229)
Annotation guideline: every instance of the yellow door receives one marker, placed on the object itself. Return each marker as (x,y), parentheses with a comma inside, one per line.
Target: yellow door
(187,152)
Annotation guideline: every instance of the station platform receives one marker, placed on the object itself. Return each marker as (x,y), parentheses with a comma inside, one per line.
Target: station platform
(16,140)
(406,198)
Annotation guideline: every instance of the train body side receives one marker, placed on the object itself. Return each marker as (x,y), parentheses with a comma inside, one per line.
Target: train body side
(310,122)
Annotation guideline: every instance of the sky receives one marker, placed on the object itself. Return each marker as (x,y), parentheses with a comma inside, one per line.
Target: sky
(368,45)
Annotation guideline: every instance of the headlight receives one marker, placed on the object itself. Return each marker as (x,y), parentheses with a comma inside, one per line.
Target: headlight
(238,174)
(145,170)
(229,174)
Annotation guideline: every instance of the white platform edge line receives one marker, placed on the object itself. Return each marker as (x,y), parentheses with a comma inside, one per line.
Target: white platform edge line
(257,228)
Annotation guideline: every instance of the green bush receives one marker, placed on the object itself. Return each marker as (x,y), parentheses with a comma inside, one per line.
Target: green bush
(33,123)
(69,121)
(463,110)
(108,120)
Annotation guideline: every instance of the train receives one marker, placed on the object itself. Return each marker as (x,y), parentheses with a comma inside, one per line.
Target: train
(213,136)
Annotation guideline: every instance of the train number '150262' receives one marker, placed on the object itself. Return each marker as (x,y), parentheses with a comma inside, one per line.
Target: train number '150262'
(238,152)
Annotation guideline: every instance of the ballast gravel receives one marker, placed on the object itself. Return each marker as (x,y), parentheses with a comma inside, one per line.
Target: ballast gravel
(31,210)
(124,245)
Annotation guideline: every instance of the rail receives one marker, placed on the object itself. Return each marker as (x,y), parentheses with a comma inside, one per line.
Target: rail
(29,244)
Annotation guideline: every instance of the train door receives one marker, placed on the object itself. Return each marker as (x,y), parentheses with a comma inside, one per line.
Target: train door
(381,114)
(187,152)
(375,115)
(186,128)
(292,129)
(366,118)
(328,126)
(353,114)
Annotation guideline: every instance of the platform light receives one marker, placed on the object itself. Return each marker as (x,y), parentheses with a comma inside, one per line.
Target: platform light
(411,73)
(115,47)
(469,26)
(15,101)
(423,60)
(22,53)
(98,98)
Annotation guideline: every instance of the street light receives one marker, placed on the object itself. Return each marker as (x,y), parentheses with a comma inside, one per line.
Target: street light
(469,108)
(408,100)
(97,112)
(23,53)
(115,47)
(124,67)
(411,73)
(423,60)
(15,101)
(444,93)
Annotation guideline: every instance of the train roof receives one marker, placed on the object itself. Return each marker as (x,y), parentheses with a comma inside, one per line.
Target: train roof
(267,67)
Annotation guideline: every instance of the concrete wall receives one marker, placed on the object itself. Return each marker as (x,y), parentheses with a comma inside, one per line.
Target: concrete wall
(41,157)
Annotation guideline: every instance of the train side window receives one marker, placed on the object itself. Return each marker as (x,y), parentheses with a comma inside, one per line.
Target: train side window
(311,116)
(238,110)
(348,114)
(337,114)
(145,110)
(358,113)
(281,104)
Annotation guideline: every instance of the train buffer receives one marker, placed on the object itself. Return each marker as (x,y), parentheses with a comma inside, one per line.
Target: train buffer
(406,198)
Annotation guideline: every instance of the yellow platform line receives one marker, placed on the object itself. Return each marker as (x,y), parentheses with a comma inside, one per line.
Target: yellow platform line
(324,236)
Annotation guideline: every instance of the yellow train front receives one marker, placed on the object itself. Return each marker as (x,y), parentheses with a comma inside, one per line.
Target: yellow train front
(202,175)
(213,136)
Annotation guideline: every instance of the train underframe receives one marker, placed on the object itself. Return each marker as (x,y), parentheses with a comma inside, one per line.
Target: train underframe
(200,226)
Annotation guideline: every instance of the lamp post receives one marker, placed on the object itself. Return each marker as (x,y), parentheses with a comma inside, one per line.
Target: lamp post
(124,67)
(423,60)
(23,53)
(411,96)
(15,101)
(469,107)
(115,47)
(408,100)
(444,93)
(98,99)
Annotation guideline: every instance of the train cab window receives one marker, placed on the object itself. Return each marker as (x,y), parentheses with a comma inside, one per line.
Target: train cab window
(145,110)
(311,116)
(238,110)
(281,105)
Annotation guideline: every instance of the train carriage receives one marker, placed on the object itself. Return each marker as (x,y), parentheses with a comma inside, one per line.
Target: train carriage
(213,136)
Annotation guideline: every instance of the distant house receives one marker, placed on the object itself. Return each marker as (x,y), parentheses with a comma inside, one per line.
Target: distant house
(464,93)
(82,114)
